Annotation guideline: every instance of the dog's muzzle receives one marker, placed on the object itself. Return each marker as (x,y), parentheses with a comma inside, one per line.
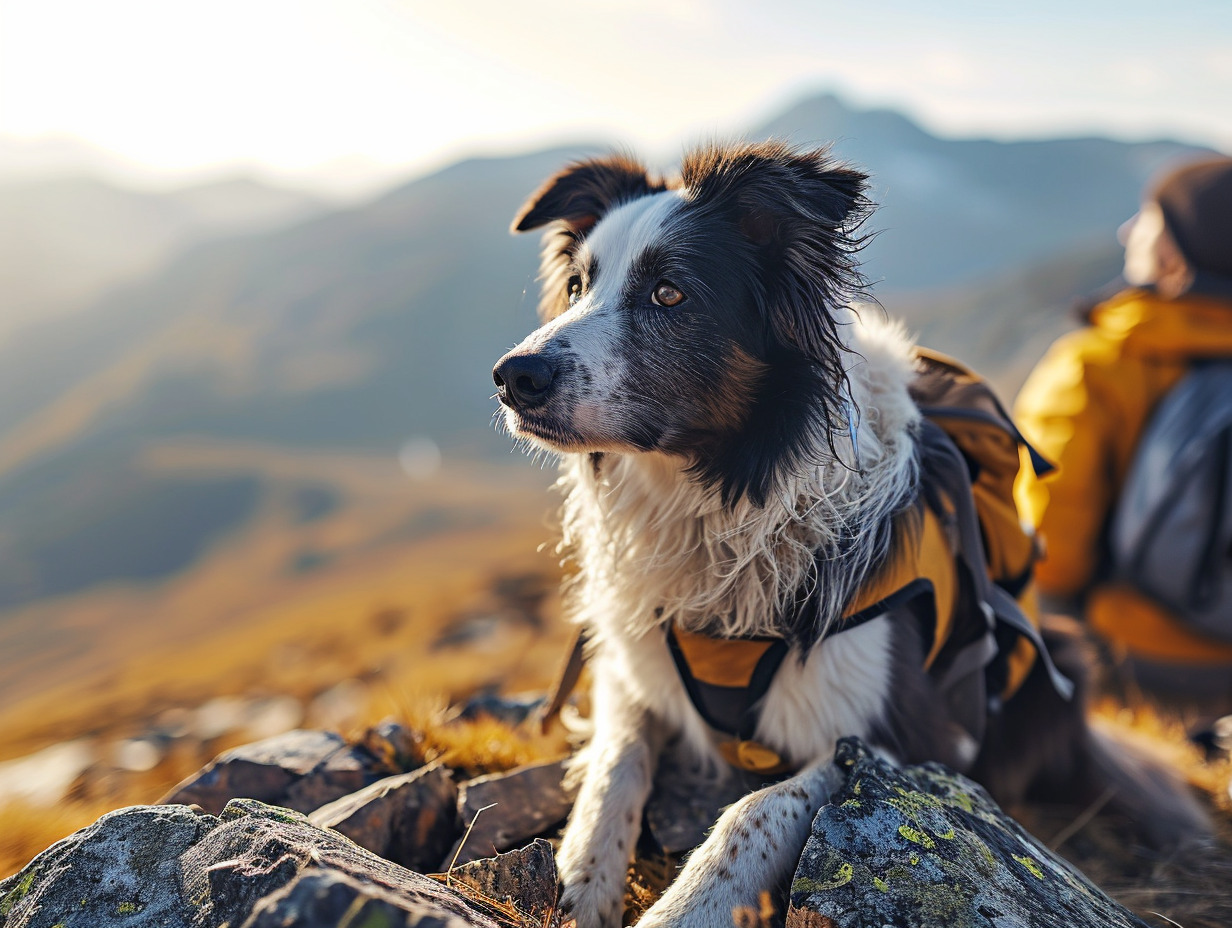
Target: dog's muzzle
(523,381)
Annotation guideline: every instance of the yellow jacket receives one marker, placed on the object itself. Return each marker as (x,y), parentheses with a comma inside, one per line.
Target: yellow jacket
(1084,407)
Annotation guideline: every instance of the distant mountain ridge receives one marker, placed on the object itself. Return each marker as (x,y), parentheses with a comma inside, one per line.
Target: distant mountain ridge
(956,209)
(363,327)
(66,240)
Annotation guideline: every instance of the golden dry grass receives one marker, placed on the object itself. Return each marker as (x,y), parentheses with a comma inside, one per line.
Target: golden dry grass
(388,611)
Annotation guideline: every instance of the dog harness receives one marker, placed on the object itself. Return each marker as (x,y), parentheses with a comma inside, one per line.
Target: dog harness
(727,678)
(960,568)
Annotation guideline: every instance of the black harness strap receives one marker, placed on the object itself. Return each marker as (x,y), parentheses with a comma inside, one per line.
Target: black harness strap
(917,587)
(946,468)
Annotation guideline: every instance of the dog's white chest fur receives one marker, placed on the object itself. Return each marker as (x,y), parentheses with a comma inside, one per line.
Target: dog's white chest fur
(655,548)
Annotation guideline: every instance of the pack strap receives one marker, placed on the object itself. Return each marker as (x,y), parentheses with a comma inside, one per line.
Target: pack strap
(945,389)
(947,469)
(1009,612)
(1039,464)
(566,682)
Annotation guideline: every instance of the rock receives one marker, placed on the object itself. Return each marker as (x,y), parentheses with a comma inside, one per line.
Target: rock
(300,770)
(410,818)
(167,866)
(509,710)
(923,846)
(123,869)
(527,801)
(344,771)
(684,806)
(525,878)
(319,898)
(398,747)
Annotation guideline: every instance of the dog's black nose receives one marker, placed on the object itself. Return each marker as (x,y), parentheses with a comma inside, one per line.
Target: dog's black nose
(523,381)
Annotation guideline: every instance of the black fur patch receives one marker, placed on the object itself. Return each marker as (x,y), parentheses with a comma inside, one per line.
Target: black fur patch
(916,726)
(785,424)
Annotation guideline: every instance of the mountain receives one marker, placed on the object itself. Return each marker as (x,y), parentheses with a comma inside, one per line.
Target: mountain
(359,329)
(48,156)
(66,240)
(953,210)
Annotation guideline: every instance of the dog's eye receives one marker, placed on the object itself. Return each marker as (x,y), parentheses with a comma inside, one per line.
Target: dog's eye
(665,294)
(575,289)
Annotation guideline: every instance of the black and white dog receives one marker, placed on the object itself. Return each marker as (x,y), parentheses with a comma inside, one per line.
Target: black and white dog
(731,433)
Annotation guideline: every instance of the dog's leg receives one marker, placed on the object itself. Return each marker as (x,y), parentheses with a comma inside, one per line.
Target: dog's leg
(598,843)
(753,848)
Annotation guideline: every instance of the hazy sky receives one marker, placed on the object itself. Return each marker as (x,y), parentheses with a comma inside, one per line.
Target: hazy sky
(294,83)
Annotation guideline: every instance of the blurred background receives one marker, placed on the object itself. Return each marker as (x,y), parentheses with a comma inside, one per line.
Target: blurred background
(254,271)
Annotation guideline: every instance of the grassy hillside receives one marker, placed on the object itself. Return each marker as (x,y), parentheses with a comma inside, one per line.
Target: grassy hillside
(333,540)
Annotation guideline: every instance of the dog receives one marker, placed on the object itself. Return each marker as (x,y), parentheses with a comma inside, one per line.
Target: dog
(735,440)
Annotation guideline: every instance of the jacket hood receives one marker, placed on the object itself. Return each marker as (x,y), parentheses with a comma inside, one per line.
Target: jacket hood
(1148,325)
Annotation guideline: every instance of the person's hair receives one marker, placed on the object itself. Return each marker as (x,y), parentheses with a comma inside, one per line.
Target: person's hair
(1196,200)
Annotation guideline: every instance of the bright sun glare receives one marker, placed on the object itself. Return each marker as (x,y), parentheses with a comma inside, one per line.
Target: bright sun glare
(294,83)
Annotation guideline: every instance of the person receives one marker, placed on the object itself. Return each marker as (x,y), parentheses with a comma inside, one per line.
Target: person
(1085,407)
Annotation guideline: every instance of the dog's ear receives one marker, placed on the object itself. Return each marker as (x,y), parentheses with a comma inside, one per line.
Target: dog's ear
(801,211)
(570,204)
(582,193)
(800,189)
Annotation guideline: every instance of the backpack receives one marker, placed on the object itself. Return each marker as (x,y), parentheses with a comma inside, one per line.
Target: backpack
(1170,536)
(971,451)
(964,407)
(969,459)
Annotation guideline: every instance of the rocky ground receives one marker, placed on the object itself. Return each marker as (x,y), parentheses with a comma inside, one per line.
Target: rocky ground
(309,829)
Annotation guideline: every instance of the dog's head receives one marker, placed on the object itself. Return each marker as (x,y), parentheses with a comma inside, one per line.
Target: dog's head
(692,319)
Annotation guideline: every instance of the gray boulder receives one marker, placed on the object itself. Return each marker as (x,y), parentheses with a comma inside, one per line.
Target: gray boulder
(410,818)
(921,847)
(256,865)
(122,870)
(512,808)
(301,770)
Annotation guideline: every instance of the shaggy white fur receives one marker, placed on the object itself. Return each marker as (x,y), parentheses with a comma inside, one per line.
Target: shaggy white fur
(655,547)
(652,547)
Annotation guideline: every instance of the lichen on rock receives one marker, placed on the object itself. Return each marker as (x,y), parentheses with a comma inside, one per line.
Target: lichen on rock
(170,866)
(923,846)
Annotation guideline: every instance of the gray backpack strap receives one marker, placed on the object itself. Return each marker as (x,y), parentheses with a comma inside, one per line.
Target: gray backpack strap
(945,467)
(1171,533)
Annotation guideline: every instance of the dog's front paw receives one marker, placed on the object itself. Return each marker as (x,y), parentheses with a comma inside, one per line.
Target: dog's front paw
(594,887)
(711,892)
(684,910)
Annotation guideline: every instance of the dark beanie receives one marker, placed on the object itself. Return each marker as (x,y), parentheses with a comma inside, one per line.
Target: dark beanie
(1197,205)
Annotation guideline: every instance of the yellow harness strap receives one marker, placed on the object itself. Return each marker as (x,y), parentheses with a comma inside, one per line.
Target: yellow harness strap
(926,560)
(924,564)
(721,661)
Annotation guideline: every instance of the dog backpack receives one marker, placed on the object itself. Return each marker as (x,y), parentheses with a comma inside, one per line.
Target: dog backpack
(1171,532)
(970,457)
(960,569)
